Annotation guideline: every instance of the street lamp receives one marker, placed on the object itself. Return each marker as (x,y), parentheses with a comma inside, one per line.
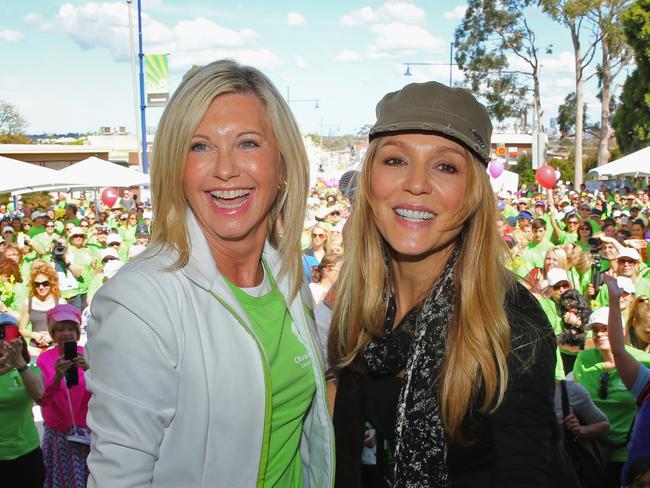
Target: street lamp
(451,64)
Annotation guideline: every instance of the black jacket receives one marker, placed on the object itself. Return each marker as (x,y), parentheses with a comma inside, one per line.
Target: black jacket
(511,446)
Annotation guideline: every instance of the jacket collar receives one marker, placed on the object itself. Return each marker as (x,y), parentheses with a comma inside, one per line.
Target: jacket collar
(202,269)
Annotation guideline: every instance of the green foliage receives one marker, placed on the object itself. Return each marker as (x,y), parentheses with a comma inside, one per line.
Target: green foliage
(38,200)
(15,139)
(567,114)
(11,122)
(524,168)
(632,119)
(490,31)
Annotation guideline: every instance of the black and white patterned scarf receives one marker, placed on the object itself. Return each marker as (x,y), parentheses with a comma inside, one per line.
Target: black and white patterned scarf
(417,347)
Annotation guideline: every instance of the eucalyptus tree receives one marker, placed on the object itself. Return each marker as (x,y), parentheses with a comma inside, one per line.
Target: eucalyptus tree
(496,47)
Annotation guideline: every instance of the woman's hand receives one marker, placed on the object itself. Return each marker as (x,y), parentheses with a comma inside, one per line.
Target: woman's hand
(571,318)
(573,425)
(61,366)
(80,361)
(612,286)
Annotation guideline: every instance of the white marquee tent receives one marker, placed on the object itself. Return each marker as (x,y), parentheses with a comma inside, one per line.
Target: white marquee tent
(21,177)
(97,173)
(634,164)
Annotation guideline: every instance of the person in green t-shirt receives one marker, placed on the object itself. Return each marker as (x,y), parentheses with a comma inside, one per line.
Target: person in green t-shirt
(21,458)
(595,369)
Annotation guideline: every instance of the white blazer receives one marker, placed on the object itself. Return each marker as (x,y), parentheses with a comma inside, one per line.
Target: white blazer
(180,395)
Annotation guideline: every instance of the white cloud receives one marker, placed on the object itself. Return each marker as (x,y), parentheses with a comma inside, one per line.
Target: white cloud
(360,16)
(196,41)
(33,18)
(11,35)
(456,13)
(348,56)
(300,62)
(398,40)
(294,19)
(403,12)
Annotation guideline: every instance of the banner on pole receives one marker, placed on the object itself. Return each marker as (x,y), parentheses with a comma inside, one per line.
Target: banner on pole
(156,71)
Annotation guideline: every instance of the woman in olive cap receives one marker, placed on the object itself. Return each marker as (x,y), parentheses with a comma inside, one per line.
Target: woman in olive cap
(433,342)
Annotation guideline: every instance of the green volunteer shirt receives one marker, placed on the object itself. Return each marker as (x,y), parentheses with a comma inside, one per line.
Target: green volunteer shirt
(535,253)
(18,434)
(552,313)
(82,257)
(620,404)
(292,383)
(641,287)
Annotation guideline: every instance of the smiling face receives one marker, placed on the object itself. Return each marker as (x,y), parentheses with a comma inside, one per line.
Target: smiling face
(601,340)
(417,185)
(233,170)
(41,286)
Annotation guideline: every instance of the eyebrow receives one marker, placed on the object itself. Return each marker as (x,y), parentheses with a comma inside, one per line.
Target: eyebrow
(242,133)
(404,145)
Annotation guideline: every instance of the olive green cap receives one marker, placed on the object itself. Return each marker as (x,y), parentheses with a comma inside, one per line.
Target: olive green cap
(434,107)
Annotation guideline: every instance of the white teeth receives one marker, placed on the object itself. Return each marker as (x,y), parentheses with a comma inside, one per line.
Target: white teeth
(229,194)
(413,215)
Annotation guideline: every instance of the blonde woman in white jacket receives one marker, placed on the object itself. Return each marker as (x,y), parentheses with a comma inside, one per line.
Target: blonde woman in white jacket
(204,364)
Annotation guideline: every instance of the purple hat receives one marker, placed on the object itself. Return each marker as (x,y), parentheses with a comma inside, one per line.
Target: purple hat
(64,312)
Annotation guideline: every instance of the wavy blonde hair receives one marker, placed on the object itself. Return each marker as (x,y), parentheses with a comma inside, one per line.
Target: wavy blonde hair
(180,119)
(478,343)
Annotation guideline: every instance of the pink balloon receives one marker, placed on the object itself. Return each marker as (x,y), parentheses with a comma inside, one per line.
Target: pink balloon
(496,168)
(546,176)
(109,196)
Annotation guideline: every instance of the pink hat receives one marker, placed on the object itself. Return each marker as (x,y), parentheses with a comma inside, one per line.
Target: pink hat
(64,312)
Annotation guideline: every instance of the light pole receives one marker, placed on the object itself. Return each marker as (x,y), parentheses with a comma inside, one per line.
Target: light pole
(134,81)
(451,64)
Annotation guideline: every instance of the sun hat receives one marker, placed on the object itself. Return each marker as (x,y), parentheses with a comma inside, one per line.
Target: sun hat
(6,319)
(556,275)
(598,316)
(8,229)
(112,267)
(77,231)
(525,214)
(113,238)
(109,252)
(630,253)
(64,312)
(625,284)
(434,107)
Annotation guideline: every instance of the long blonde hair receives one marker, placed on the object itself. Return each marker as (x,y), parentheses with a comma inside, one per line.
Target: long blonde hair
(183,114)
(478,342)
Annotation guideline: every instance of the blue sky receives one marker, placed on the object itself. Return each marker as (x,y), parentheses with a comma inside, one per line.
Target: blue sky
(66,65)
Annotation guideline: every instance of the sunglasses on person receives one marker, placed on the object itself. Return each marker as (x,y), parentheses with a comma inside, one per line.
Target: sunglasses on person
(602,390)
(572,222)
(49,225)
(43,284)
(320,236)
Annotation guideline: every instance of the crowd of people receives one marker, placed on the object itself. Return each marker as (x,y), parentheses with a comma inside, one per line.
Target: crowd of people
(448,335)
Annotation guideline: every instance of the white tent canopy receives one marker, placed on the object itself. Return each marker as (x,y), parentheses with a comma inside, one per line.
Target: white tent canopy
(634,164)
(26,177)
(96,173)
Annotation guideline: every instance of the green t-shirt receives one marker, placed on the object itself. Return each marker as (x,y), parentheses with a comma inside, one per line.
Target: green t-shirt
(535,253)
(641,287)
(292,383)
(620,404)
(18,434)
(552,313)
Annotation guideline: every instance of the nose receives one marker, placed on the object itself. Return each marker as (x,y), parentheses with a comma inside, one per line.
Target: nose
(226,165)
(416,180)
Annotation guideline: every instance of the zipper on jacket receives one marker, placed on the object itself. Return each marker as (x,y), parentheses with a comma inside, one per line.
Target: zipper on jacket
(264,455)
(312,343)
